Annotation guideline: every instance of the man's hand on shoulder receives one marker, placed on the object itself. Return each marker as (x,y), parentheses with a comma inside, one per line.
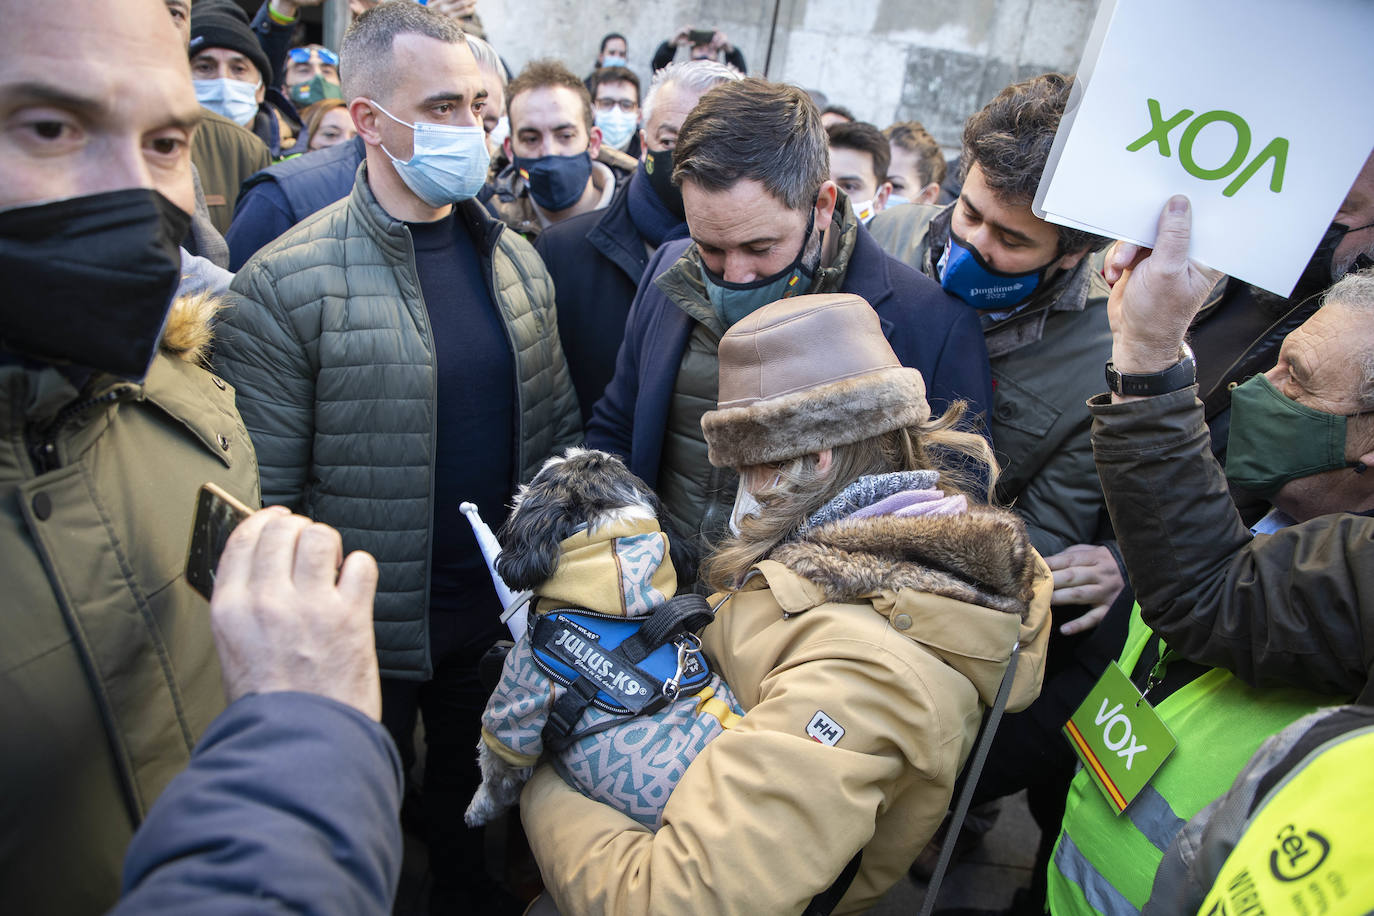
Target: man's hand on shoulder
(1155,294)
(290,613)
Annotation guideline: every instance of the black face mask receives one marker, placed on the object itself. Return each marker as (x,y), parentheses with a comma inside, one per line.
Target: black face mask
(1319,273)
(88,280)
(659,167)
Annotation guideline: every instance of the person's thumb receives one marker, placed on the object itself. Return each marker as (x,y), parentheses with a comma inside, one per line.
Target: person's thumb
(1175,230)
(358,579)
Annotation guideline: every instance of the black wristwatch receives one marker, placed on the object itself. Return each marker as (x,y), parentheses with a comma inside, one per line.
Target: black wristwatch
(1176,377)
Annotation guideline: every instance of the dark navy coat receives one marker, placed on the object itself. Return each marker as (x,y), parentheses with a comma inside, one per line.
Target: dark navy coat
(290,803)
(596,260)
(929,330)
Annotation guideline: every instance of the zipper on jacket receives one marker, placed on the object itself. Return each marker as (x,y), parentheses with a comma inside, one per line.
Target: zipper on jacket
(42,443)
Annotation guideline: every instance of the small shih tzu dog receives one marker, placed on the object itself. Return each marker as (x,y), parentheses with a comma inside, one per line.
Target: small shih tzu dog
(608,676)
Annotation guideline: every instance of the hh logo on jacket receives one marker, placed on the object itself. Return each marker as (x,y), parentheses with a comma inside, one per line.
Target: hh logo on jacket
(824,729)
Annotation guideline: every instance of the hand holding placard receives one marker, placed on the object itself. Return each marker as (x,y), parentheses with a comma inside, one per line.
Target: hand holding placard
(1265,151)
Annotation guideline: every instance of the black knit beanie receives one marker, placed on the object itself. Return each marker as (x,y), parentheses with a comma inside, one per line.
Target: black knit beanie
(224,25)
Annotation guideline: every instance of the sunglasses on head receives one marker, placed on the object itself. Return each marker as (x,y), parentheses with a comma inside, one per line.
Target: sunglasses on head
(302,56)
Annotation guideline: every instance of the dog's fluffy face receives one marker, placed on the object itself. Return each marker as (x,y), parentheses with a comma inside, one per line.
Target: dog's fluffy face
(583,488)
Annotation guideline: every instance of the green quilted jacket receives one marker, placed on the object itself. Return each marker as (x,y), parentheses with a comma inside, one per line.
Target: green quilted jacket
(328,344)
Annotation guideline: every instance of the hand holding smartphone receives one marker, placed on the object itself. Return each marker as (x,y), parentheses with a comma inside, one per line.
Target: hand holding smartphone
(218,513)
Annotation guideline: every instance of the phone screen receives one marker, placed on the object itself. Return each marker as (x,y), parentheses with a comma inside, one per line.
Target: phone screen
(217,515)
(700,37)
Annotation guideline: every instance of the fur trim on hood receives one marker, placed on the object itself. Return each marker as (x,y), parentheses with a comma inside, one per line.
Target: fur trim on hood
(980,557)
(190,330)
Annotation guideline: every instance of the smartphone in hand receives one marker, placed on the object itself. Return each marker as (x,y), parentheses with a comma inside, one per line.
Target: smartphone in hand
(700,37)
(217,514)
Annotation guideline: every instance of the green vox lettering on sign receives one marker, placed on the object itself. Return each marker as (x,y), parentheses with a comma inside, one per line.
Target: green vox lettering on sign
(1120,739)
(1275,151)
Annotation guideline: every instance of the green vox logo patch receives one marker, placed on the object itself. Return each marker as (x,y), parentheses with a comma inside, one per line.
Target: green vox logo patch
(1274,153)
(1121,741)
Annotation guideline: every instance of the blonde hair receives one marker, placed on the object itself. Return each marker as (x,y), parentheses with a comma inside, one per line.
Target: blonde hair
(963,459)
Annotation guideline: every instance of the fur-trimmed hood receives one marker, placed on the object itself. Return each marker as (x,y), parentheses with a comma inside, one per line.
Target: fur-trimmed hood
(189,330)
(965,587)
(981,556)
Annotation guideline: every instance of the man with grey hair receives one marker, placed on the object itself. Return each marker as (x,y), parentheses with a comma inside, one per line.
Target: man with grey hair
(766,223)
(597,259)
(396,355)
(1236,633)
(495,80)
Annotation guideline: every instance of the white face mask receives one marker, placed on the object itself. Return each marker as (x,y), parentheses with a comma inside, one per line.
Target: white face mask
(617,127)
(499,133)
(746,504)
(863,209)
(233,99)
(448,163)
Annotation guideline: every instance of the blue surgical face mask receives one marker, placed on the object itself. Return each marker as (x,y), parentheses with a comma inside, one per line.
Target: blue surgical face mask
(617,127)
(448,163)
(964,273)
(896,200)
(233,99)
(733,301)
(556,182)
(613,60)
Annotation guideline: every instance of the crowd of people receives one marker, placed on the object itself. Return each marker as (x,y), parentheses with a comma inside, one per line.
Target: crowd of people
(360,286)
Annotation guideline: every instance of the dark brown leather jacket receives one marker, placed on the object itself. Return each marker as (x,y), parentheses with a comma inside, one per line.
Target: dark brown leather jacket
(1294,608)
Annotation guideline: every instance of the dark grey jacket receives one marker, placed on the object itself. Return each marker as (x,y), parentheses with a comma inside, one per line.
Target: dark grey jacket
(1046,361)
(1294,608)
(328,344)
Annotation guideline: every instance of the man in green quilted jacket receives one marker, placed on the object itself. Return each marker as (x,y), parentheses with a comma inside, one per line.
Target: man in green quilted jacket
(395,355)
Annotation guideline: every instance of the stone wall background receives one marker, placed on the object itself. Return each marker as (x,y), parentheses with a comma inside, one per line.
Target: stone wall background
(934,61)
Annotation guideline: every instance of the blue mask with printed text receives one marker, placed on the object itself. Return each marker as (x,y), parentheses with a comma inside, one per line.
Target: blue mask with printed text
(964,273)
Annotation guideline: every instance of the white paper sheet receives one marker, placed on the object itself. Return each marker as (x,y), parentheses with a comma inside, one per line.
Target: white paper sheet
(1303,72)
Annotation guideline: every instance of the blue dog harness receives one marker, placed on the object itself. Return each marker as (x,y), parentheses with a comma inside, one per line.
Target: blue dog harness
(623,666)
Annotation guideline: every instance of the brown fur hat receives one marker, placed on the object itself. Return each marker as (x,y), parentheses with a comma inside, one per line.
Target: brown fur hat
(806,374)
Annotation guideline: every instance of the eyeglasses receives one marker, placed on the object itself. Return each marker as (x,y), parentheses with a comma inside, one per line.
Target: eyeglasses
(626,105)
(302,56)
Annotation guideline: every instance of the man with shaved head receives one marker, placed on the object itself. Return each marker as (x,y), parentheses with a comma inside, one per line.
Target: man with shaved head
(109,425)
(397,354)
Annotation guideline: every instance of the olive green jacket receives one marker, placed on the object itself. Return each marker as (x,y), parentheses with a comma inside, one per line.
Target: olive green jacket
(108,672)
(225,155)
(328,342)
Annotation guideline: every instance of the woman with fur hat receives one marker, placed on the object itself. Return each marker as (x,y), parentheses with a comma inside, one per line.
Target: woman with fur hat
(868,607)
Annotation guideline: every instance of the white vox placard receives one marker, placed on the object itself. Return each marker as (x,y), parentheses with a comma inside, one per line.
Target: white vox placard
(1261,111)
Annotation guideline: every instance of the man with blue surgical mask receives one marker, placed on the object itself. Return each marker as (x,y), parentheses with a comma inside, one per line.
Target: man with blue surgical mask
(559,166)
(615,51)
(394,355)
(232,75)
(615,100)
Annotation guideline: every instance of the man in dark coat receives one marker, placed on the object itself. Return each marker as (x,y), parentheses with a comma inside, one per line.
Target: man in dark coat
(766,223)
(597,259)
